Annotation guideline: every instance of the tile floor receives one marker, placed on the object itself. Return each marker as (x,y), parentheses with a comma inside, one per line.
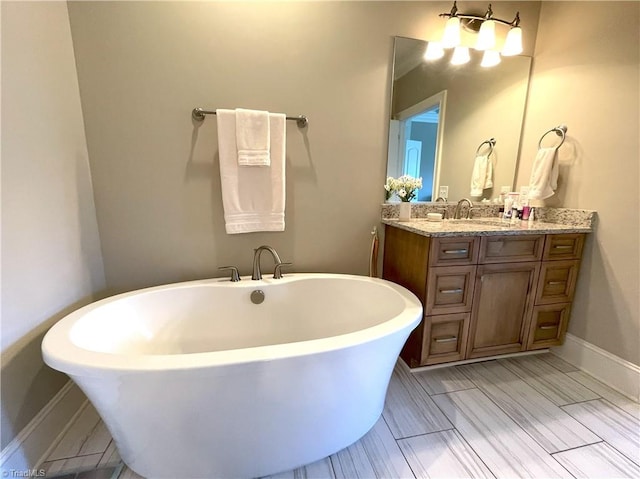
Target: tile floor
(533,416)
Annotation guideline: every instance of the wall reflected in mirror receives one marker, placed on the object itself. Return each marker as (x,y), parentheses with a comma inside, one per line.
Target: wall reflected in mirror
(441,114)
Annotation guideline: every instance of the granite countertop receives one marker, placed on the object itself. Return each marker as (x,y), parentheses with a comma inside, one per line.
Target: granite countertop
(483,227)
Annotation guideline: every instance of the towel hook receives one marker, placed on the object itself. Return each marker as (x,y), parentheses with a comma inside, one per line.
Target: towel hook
(560,130)
(491,142)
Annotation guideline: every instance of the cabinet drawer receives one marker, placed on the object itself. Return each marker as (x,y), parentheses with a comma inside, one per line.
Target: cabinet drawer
(454,251)
(450,289)
(557,282)
(564,246)
(506,249)
(445,338)
(548,325)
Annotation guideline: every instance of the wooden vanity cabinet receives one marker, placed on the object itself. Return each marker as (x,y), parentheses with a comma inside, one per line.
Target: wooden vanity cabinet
(484,296)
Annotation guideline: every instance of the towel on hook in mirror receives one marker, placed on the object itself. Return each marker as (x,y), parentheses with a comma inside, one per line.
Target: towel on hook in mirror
(482,175)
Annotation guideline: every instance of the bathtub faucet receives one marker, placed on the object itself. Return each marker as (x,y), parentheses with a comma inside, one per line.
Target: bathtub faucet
(257,274)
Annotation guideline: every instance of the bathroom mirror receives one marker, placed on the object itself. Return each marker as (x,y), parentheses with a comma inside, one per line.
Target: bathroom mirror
(442,113)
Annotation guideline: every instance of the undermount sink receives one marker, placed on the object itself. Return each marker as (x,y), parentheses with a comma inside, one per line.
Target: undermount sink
(481,221)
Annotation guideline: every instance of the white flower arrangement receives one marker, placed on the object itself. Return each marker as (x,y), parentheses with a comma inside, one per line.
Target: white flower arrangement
(405,187)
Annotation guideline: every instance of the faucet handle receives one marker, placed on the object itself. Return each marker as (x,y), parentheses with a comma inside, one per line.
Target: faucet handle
(235,277)
(277,274)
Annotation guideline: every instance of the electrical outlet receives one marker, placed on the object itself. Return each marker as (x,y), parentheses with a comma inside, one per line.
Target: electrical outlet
(505,189)
(443,192)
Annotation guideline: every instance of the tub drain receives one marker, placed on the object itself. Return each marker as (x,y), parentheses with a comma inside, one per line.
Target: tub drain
(257,296)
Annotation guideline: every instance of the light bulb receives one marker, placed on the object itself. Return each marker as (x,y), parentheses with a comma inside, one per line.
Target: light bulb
(434,51)
(486,36)
(460,56)
(490,58)
(513,43)
(451,36)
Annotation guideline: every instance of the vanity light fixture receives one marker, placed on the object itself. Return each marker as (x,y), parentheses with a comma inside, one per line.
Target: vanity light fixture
(434,51)
(485,26)
(486,36)
(490,58)
(460,55)
(451,36)
(513,43)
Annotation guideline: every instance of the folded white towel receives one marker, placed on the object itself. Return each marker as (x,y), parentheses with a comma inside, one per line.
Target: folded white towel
(544,174)
(482,175)
(252,137)
(253,198)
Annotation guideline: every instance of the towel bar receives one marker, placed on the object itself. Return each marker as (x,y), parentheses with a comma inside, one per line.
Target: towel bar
(198,115)
(560,130)
(491,142)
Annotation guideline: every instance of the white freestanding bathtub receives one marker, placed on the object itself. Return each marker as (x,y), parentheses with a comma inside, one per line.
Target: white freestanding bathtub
(193,380)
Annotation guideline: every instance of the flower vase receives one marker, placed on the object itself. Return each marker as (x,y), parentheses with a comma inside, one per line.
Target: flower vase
(405,211)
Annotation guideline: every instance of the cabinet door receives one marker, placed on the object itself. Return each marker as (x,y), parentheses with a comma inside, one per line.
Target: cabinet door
(445,338)
(502,304)
(548,325)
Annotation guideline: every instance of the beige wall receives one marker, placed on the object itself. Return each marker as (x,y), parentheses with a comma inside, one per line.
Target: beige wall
(51,260)
(143,66)
(586,74)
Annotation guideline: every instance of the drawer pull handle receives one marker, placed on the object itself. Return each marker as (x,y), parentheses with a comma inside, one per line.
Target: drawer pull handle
(563,246)
(547,326)
(455,251)
(556,282)
(446,340)
(451,291)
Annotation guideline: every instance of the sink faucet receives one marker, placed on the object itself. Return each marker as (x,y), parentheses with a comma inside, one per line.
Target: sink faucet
(257,274)
(458,211)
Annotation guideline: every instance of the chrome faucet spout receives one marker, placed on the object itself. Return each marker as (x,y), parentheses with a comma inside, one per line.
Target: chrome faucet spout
(257,274)
(458,211)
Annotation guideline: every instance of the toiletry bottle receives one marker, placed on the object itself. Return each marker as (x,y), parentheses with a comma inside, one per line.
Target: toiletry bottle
(514,213)
(508,203)
(531,214)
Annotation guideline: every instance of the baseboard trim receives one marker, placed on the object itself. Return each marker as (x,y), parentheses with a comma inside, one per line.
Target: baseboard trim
(28,449)
(615,372)
(477,360)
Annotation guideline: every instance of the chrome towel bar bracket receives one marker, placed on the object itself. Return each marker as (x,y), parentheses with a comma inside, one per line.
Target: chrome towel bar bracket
(198,114)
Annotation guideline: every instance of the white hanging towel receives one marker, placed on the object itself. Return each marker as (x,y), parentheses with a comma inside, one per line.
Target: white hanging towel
(544,174)
(482,175)
(252,137)
(253,198)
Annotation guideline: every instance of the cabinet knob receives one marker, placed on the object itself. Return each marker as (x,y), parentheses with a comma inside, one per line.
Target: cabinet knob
(451,291)
(556,282)
(455,251)
(563,246)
